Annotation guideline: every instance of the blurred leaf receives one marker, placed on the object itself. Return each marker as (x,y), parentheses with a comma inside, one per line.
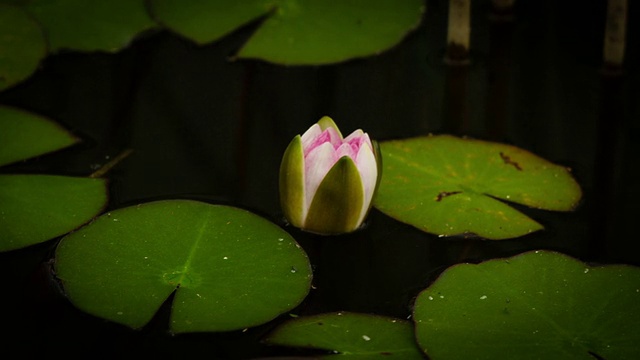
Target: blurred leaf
(230,269)
(22,45)
(356,336)
(36,208)
(24,135)
(205,21)
(537,305)
(447,186)
(295,32)
(90,25)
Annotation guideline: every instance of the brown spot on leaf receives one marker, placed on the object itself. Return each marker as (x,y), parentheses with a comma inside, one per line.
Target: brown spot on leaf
(444,194)
(507,160)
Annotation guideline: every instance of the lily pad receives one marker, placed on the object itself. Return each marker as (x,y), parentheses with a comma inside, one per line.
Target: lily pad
(447,185)
(357,336)
(536,305)
(36,208)
(90,25)
(22,45)
(24,135)
(295,32)
(229,269)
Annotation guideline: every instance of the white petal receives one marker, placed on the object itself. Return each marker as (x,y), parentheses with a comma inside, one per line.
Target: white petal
(309,135)
(316,165)
(346,150)
(354,134)
(368,168)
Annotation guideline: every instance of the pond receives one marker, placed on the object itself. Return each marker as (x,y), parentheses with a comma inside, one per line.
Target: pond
(204,126)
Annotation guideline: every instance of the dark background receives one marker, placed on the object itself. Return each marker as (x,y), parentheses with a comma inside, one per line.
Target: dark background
(205,127)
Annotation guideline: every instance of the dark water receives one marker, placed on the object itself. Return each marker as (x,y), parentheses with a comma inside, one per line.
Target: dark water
(206,128)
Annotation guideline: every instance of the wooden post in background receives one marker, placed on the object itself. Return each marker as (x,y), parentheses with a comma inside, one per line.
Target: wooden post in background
(610,128)
(456,119)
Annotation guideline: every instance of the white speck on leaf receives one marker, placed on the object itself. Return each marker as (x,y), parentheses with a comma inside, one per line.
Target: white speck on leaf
(483,297)
(366,338)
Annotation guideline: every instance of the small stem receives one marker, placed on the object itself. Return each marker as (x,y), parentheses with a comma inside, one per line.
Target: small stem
(108,166)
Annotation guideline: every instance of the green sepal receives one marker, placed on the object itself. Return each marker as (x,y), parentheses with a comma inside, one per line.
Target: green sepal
(326,122)
(336,206)
(292,182)
(378,155)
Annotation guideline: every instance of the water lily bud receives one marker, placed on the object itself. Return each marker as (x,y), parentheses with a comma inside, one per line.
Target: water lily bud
(327,182)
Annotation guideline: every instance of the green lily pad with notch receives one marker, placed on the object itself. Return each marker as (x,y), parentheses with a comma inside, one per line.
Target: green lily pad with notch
(90,25)
(295,32)
(446,185)
(37,208)
(536,305)
(347,334)
(22,45)
(24,135)
(230,269)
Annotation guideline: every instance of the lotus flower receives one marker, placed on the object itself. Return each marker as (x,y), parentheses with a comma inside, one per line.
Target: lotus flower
(327,182)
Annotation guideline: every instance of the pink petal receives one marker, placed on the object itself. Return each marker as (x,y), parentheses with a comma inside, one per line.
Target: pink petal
(368,168)
(347,149)
(329,135)
(356,134)
(311,134)
(316,166)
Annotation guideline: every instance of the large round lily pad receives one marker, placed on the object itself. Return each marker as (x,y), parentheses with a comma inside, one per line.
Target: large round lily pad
(230,269)
(22,45)
(447,185)
(24,135)
(296,32)
(36,208)
(350,335)
(537,305)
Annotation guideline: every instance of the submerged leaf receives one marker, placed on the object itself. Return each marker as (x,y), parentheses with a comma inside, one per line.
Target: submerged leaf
(447,185)
(24,135)
(229,268)
(296,32)
(537,305)
(36,208)
(90,25)
(357,336)
(22,45)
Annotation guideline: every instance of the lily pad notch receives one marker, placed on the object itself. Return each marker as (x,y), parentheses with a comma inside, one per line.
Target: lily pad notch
(230,269)
(446,185)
